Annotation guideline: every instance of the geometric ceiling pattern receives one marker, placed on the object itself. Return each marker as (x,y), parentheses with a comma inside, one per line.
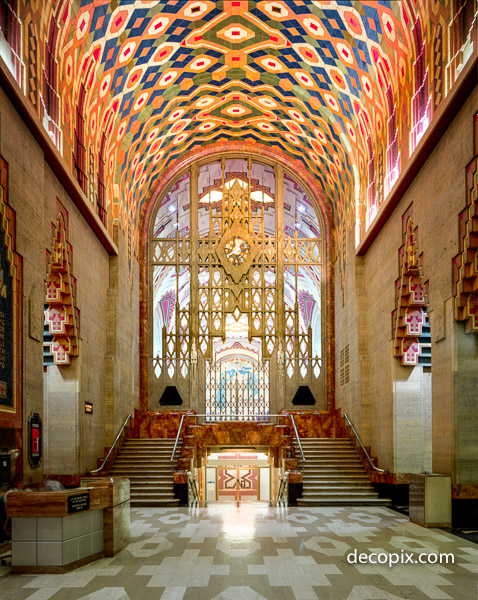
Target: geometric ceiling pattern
(321,81)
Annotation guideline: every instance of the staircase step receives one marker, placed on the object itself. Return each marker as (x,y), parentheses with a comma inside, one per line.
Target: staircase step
(331,452)
(336,476)
(328,451)
(149,445)
(317,441)
(146,463)
(145,492)
(335,470)
(148,502)
(318,483)
(144,451)
(159,441)
(150,484)
(145,473)
(332,462)
(142,447)
(324,444)
(151,480)
(339,489)
(329,448)
(340,494)
(343,502)
(147,457)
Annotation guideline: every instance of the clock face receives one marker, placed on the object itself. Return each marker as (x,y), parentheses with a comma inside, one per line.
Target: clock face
(237,250)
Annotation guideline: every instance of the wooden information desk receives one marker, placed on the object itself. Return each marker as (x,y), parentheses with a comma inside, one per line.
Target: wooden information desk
(54,532)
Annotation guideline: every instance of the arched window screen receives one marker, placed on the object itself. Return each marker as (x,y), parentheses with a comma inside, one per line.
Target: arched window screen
(236,293)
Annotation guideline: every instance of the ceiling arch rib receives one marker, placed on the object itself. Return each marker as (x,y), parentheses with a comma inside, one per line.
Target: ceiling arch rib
(314,79)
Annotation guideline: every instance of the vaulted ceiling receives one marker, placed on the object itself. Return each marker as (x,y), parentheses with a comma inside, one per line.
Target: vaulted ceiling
(317,80)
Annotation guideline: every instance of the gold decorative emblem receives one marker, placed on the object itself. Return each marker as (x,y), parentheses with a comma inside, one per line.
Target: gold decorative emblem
(237,250)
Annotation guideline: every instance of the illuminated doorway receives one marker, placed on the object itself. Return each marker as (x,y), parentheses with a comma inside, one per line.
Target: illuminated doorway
(239,476)
(237,483)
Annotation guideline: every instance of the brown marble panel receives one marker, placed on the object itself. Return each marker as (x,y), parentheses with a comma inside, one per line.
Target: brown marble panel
(291,464)
(184,464)
(187,451)
(180,477)
(314,423)
(295,477)
(163,424)
(394,478)
(465,491)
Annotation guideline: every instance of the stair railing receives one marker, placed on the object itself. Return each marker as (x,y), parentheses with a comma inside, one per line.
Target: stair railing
(297,437)
(177,436)
(283,485)
(357,437)
(112,447)
(256,417)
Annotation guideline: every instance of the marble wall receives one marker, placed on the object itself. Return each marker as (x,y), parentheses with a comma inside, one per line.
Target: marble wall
(73,440)
(412,419)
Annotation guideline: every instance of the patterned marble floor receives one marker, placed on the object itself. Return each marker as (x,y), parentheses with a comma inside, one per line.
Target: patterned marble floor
(256,552)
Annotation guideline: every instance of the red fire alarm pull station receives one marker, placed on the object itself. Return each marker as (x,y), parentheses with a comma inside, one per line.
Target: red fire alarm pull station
(35,440)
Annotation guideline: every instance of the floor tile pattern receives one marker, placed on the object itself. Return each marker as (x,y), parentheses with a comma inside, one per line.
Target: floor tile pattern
(255,552)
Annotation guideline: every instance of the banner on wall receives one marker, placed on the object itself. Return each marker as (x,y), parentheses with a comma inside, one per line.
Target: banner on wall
(6,321)
(11,319)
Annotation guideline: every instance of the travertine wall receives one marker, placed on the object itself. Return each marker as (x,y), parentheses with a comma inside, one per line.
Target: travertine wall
(394,406)
(73,440)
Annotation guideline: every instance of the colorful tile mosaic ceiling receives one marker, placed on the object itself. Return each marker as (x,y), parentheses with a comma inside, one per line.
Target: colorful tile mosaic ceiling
(335,85)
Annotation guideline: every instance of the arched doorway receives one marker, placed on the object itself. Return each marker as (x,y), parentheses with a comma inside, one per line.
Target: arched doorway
(237,291)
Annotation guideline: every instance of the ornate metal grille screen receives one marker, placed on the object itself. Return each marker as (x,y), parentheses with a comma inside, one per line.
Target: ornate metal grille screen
(241,390)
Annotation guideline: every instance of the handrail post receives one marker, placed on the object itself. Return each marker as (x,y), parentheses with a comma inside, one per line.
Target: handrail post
(283,483)
(193,487)
(297,436)
(177,437)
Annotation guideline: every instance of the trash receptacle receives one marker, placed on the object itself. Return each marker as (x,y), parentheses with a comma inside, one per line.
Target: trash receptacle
(430,499)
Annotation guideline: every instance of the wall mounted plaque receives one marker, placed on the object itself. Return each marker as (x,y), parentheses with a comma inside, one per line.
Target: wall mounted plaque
(78,503)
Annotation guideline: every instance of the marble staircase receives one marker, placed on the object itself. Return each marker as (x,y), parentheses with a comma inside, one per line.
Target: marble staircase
(147,464)
(333,474)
